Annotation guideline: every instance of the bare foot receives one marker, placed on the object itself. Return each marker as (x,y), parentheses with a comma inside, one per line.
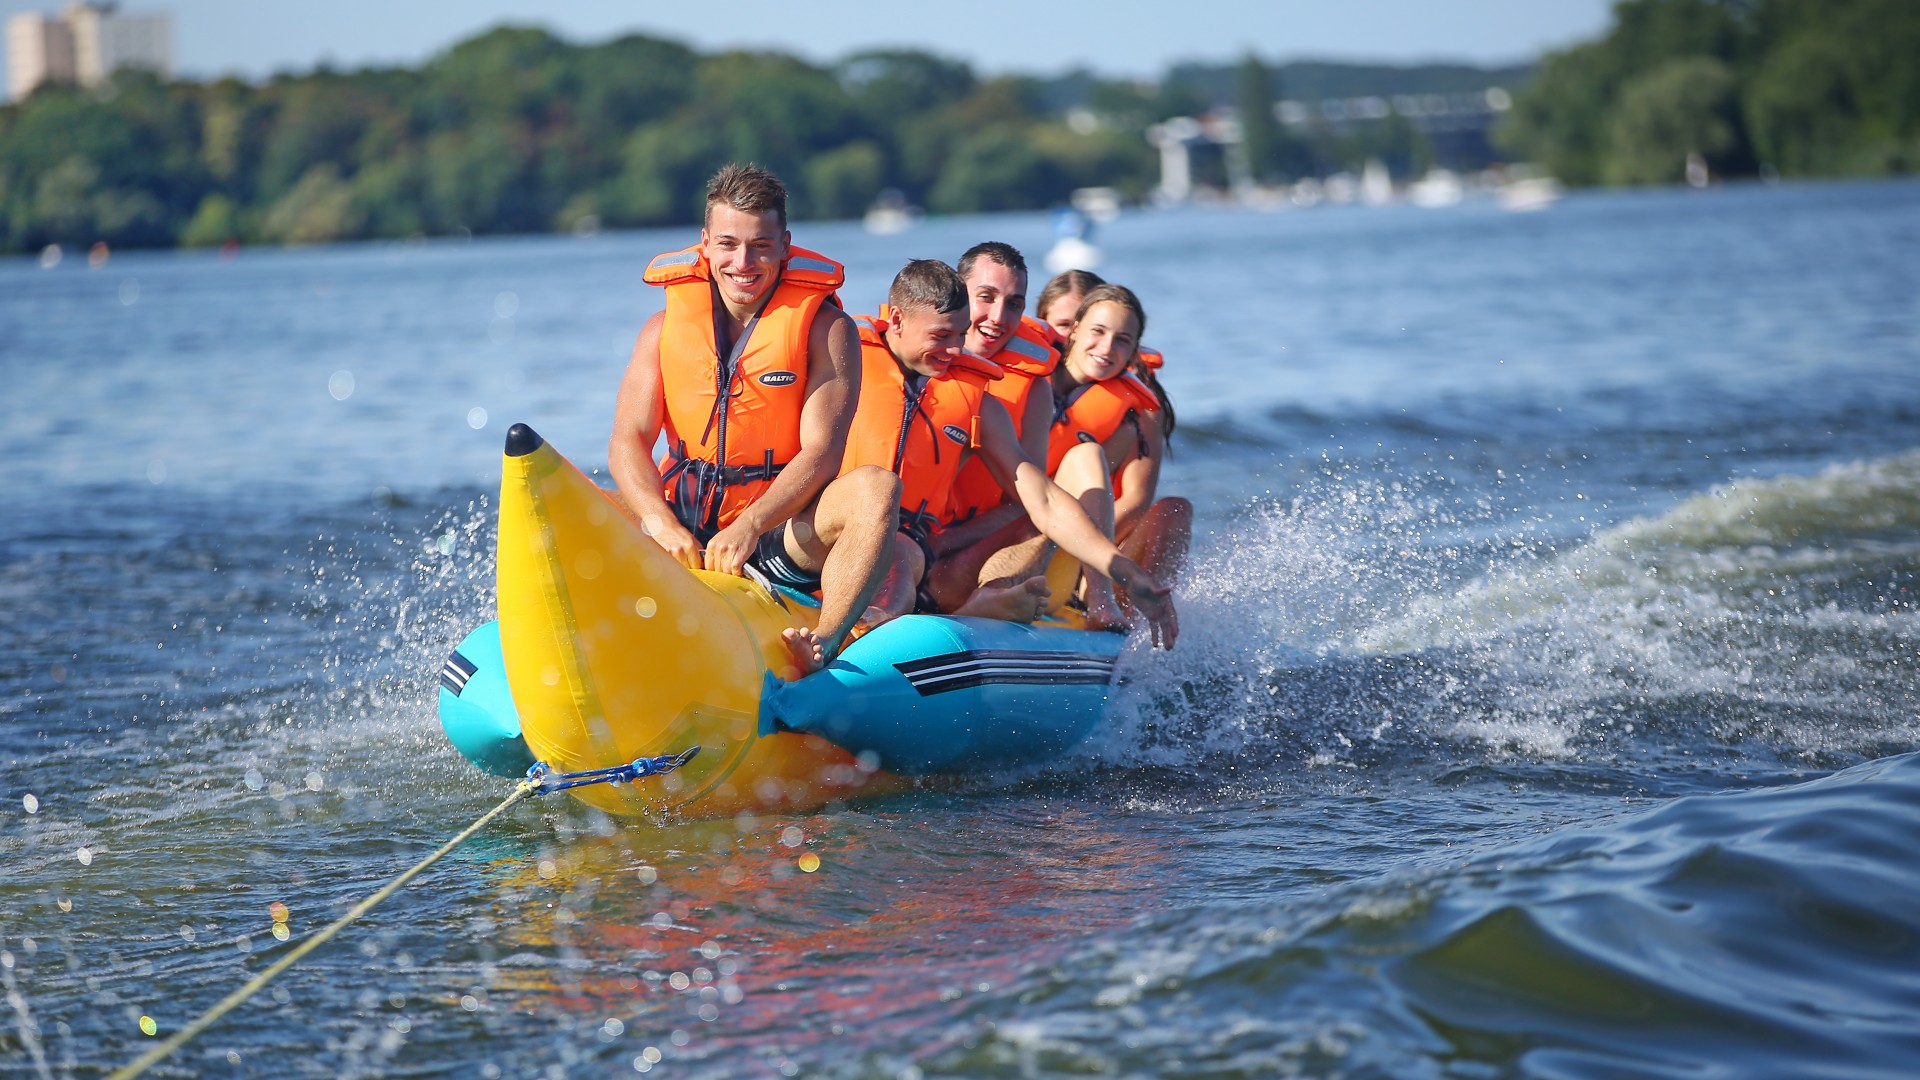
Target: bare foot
(1021,603)
(870,620)
(1103,608)
(808,654)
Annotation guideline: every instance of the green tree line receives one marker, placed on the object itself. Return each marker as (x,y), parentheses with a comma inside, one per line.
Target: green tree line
(516,130)
(1792,87)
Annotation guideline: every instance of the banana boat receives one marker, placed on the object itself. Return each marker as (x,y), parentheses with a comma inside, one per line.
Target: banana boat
(606,651)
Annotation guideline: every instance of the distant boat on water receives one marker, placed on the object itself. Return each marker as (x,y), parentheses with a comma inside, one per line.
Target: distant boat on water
(890,214)
(1074,250)
(1529,194)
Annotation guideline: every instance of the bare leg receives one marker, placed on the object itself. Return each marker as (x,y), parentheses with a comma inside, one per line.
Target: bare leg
(897,591)
(1159,539)
(1083,474)
(956,575)
(1020,602)
(847,535)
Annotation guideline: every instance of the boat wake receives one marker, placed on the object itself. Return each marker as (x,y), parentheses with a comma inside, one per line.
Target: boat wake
(1766,620)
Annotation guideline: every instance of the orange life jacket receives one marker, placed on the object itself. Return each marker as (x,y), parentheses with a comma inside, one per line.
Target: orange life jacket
(1093,411)
(917,432)
(720,459)
(1028,357)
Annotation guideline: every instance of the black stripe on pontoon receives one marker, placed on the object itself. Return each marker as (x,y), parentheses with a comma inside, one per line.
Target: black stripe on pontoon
(455,673)
(911,668)
(997,678)
(959,671)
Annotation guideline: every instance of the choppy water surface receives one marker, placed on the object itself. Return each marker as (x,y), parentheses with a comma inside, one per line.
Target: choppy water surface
(1544,706)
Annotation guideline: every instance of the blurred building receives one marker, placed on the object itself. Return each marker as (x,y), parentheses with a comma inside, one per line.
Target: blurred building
(84,44)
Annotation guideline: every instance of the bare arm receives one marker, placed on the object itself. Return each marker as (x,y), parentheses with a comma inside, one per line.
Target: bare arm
(1036,427)
(1034,431)
(1061,517)
(638,412)
(833,390)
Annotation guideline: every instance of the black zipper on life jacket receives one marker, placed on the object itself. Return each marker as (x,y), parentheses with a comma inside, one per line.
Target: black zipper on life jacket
(910,399)
(726,370)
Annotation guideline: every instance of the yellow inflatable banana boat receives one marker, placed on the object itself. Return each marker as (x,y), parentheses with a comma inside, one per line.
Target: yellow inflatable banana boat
(606,650)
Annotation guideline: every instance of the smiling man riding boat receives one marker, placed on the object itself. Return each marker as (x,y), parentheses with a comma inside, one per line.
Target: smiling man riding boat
(753,372)
(925,412)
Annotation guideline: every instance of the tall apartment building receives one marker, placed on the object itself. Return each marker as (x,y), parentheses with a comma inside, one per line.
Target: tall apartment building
(85,44)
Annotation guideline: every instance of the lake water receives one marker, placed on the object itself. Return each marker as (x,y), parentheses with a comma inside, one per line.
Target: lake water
(1544,705)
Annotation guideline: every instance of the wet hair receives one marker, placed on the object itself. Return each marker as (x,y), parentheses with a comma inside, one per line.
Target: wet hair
(1119,294)
(928,283)
(747,188)
(993,251)
(1073,281)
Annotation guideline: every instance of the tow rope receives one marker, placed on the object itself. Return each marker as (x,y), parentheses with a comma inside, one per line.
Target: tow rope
(540,780)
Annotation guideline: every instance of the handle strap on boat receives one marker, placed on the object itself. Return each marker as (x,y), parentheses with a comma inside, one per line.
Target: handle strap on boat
(545,781)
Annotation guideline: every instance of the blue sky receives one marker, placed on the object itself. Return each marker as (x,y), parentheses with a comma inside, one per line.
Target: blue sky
(1115,37)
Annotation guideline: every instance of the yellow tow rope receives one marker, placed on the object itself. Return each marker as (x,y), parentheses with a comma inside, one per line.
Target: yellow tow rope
(231,1001)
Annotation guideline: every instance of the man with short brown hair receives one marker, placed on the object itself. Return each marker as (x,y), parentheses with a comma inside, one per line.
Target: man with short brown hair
(752,372)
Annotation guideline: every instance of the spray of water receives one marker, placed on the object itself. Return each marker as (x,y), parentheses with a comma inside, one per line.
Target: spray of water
(1353,625)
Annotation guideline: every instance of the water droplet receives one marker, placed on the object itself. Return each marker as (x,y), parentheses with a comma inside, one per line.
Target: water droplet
(50,256)
(588,564)
(340,385)
(85,857)
(31,802)
(709,1013)
(64,904)
(280,932)
(470,1003)
(679,981)
(254,780)
(791,836)
(506,305)
(645,607)
(315,781)
(476,418)
(648,875)
(277,911)
(129,292)
(809,863)
(147,1026)
(157,471)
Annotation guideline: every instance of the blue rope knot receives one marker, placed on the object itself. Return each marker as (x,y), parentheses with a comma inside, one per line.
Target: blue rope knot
(546,781)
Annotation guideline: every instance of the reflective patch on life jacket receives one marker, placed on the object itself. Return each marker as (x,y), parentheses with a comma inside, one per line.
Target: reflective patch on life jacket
(1029,349)
(779,378)
(674,258)
(818,266)
(1086,436)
